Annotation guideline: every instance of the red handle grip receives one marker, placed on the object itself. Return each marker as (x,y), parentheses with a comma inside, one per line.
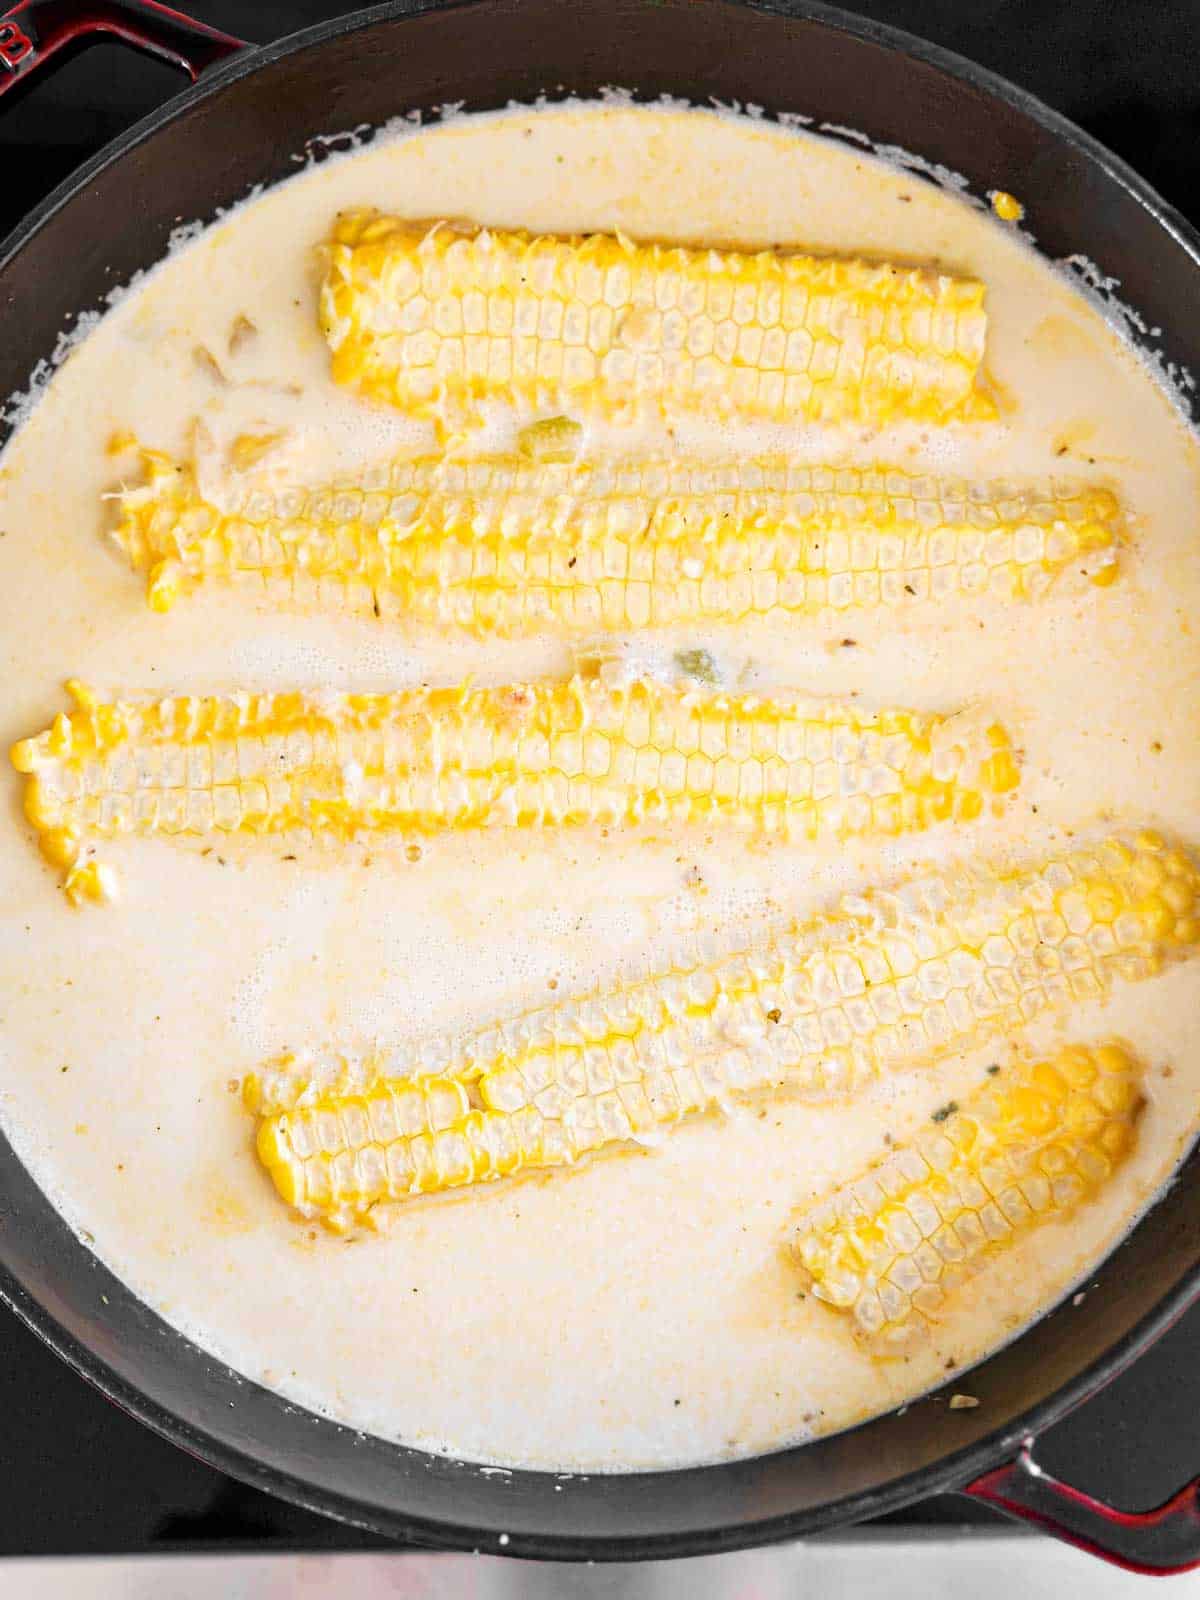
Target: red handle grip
(1159,1542)
(36,30)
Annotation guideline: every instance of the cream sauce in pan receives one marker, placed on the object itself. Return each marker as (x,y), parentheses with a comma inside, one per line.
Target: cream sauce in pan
(640,1310)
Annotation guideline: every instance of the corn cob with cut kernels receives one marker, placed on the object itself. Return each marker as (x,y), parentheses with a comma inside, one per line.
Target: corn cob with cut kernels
(337,1156)
(891,979)
(587,749)
(435,318)
(1027,1149)
(507,544)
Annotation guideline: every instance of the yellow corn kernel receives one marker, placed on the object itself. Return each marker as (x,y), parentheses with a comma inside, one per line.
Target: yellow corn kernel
(1027,1149)
(433,319)
(1006,206)
(60,846)
(90,881)
(165,583)
(506,544)
(889,980)
(248,449)
(1003,775)
(348,1149)
(1104,575)
(581,750)
(84,697)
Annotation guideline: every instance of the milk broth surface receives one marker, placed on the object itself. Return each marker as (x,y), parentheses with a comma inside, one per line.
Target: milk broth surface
(639,1310)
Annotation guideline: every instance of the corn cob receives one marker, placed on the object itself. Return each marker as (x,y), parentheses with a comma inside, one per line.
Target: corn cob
(890,979)
(587,749)
(505,544)
(336,1157)
(1027,1149)
(433,319)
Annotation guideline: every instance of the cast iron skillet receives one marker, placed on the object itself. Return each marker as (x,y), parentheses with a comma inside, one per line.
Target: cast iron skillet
(241,126)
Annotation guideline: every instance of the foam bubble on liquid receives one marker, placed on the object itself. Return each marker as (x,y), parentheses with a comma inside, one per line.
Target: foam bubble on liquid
(426,991)
(279,654)
(251,1003)
(312,441)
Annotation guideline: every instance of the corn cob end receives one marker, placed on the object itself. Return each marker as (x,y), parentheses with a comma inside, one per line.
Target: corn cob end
(893,1246)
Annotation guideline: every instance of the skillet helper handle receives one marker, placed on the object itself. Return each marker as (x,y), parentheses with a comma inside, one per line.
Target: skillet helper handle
(34,32)
(1159,1542)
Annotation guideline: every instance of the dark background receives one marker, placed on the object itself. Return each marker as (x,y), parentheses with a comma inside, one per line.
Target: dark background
(77,1475)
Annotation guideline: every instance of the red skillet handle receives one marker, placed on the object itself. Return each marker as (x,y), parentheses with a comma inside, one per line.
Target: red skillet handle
(1159,1542)
(36,30)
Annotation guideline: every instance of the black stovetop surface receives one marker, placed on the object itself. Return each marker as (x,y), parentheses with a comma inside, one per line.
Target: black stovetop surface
(76,1474)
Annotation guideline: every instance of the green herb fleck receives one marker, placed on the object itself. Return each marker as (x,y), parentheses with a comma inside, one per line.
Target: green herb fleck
(552,439)
(696,664)
(993,1069)
(945,1111)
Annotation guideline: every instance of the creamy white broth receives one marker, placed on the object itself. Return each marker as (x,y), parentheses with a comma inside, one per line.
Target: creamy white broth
(639,1310)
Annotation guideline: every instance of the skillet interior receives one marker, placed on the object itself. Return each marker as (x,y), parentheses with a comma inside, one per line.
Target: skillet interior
(240,128)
